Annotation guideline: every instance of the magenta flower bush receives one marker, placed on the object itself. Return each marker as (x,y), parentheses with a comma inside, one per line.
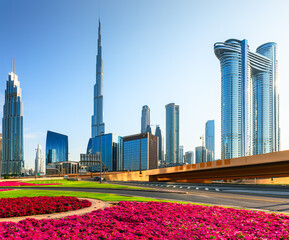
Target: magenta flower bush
(17,183)
(154,220)
(27,206)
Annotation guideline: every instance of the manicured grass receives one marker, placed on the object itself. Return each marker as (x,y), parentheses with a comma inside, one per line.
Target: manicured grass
(81,184)
(100,196)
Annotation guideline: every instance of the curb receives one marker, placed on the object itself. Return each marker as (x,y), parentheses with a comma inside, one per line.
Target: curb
(120,189)
(96,204)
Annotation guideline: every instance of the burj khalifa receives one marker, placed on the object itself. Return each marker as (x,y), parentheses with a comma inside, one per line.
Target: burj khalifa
(97,124)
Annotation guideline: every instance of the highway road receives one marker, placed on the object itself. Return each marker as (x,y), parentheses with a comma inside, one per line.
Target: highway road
(273,198)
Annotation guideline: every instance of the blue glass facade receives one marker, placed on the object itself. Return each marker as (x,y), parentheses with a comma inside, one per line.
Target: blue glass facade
(210,140)
(135,155)
(172,133)
(140,152)
(189,157)
(266,102)
(111,148)
(201,154)
(12,128)
(56,147)
(250,99)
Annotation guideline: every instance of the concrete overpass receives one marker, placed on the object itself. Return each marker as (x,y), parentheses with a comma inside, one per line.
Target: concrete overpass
(257,166)
(268,165)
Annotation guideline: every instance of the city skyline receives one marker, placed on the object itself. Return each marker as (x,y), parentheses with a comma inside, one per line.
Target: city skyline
(57,73)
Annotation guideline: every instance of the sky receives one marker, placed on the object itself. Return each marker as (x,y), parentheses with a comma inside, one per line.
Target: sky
(154,52)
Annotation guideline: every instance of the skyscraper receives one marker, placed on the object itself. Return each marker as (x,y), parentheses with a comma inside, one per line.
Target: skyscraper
(210,140)
(250,98)
(172,133)
(189,157)
(145,119)
(56,147)
(97,126)
(201,154)
(140,152)
(12,127)
(111,148)
(181,156)
(39,162)
(159,134)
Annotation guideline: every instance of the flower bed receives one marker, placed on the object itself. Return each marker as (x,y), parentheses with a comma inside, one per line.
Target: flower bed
(17,183)
(2,190)
(26,206)
(154,220)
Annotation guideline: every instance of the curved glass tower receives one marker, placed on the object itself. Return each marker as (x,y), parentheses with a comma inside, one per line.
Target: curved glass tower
(56,147)
(250,99)
(12,127)
(266,101)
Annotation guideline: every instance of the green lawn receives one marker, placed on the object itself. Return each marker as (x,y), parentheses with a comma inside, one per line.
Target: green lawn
(100,196)
(81,184)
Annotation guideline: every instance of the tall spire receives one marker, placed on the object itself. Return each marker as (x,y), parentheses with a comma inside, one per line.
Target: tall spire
(97,127)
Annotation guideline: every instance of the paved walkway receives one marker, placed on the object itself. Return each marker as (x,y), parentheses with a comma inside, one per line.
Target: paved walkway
(96,204)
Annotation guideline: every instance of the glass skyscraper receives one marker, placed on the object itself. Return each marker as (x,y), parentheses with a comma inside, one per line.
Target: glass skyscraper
(145,119)
(56,147)
(250,98)
(210,140)
(39,162)
(172,134)
(160,136)
(97,124)
(12,127)
(140,152)
(189,157)
(181,156)
(201,154)
(111,148)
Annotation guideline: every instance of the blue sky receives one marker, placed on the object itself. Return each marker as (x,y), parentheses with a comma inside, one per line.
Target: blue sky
(154,52)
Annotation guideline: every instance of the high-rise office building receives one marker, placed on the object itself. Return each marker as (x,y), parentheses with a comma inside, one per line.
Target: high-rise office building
(140,152)
(172,133)
(111,148)
(56,147)
(189,157)
(210,140)
(201,154)
(181,156)
(39,161)
(145,119)
(250,98)
(12,127)
(97,124)
(160,136)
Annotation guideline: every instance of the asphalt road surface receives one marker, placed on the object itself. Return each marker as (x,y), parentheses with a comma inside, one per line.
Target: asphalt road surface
(273,198)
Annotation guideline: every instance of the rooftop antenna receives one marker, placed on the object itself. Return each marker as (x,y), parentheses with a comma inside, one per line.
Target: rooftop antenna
(14,66)
(11,64)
